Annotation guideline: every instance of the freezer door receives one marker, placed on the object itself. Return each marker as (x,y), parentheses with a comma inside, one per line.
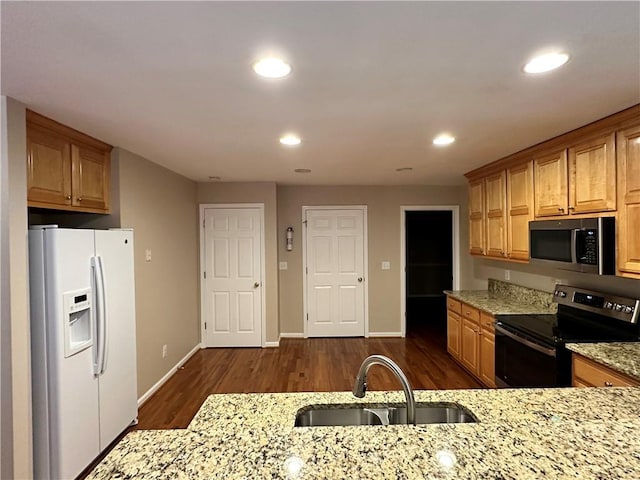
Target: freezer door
(65,390)
(117,380)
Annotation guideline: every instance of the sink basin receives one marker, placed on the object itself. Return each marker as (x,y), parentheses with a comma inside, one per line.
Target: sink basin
(375,414)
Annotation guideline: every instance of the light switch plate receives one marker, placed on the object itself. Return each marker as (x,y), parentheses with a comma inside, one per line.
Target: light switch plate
(147,255)
(507,274)
(386,265)
(284,265)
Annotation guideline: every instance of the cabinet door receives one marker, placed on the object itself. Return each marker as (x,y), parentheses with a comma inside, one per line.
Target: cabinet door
(470,345)
(487,358)
(551,184)
(90,178)
(629,202)
(48,168)
(476,217)
(519,209)
(453,334)
(496,205)
(592,176)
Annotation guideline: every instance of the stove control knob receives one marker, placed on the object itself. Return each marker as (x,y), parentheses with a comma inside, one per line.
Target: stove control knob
(608,305)
(562,294)
(618,307)
(628,309)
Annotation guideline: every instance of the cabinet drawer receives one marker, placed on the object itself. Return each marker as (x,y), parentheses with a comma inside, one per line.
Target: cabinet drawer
(471,313)
(453,305)
(587,372)
(487,322)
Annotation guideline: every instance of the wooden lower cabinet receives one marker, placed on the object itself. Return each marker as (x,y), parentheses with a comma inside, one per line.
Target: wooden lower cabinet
(487,367)
(587,373)
(470,351)
(453,334)
(470,340)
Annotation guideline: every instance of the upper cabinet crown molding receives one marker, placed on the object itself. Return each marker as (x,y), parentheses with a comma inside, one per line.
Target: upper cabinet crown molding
(66,170)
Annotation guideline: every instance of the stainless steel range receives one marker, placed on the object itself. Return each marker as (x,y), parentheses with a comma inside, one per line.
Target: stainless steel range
(530,349)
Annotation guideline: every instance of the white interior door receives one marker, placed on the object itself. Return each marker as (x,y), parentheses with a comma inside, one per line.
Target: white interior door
(232,283)
(335,267)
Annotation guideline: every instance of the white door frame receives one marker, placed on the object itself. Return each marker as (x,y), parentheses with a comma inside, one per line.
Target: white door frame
(365,261)
(455,245)
(260,206)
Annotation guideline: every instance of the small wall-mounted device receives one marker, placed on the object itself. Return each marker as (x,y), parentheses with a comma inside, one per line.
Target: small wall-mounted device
(78,333)
(289,239)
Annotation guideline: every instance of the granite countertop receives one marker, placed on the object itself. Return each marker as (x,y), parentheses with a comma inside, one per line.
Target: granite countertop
(622,356)
(520,434)
(504,298)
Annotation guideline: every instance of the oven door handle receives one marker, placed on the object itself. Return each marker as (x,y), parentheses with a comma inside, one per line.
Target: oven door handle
(551,352)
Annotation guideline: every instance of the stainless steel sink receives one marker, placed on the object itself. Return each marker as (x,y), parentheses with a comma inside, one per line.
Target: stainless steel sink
(375,414)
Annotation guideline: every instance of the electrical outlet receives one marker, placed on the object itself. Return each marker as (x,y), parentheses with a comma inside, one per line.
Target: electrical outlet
(507,274)
(147,254)
(284,265)
(164,351)
(386,265)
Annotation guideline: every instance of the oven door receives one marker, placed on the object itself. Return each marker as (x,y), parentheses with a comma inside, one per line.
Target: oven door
(522,362)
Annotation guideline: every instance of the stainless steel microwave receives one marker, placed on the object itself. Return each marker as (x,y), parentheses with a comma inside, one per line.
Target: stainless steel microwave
(581,244)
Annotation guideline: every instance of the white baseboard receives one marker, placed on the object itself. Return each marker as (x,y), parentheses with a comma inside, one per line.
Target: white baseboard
(169,374)
(385,334)
(292,335)
(272,344)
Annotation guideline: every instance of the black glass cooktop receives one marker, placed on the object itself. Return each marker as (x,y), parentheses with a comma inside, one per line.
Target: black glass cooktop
(570,325)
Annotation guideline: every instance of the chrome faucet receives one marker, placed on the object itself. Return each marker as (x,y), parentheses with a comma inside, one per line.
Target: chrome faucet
(360,387)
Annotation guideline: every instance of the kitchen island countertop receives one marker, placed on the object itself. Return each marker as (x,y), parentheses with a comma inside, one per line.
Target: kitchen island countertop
(527,433)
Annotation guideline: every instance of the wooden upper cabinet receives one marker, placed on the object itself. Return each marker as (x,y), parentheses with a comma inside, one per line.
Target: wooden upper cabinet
(629,200)
(91,170)
(495,218)
(519,209)
(476,217)
(48,168)
(551,184)
(66,169)
(592,175)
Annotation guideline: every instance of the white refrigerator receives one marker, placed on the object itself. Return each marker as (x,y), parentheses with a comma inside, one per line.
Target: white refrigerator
(83,345)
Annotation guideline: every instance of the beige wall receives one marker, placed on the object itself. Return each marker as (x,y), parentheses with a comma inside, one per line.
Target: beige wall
(258,192)
(160,206)
(383,217)
(16,153)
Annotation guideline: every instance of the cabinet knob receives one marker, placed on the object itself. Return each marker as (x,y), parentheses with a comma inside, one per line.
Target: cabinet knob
(571,208)
(561,209)
(68,197)
(608,384)
(79,199)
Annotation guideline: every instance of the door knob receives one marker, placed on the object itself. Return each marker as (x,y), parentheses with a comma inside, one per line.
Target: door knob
(360,279)
(256,285)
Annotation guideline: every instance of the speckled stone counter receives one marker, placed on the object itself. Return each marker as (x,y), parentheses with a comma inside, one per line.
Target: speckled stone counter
(520,434)
(503,298)
(623,357)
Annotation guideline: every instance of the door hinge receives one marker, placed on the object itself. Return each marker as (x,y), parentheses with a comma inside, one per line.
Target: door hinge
(205,325)
(203,223)
(205,274)
(304,222)
(307,317)
(306,270)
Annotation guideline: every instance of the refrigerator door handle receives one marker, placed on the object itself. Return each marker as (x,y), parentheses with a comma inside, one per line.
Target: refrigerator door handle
(101,312)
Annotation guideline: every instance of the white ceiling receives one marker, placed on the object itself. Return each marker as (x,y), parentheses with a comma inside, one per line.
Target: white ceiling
(372,82)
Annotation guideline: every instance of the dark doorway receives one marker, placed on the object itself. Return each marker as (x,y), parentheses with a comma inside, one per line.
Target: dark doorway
(429,271)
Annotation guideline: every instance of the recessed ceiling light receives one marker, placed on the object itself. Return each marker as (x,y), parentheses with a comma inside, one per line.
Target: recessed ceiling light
(302,170)
(443,139)
(546,62)
(214,177)
(404,169)
(272,67)
(290,140)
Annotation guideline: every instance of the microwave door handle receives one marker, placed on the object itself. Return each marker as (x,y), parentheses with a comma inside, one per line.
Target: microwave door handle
(574,245)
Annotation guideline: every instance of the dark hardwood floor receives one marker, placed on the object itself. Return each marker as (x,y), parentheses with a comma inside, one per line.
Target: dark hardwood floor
(300,365)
